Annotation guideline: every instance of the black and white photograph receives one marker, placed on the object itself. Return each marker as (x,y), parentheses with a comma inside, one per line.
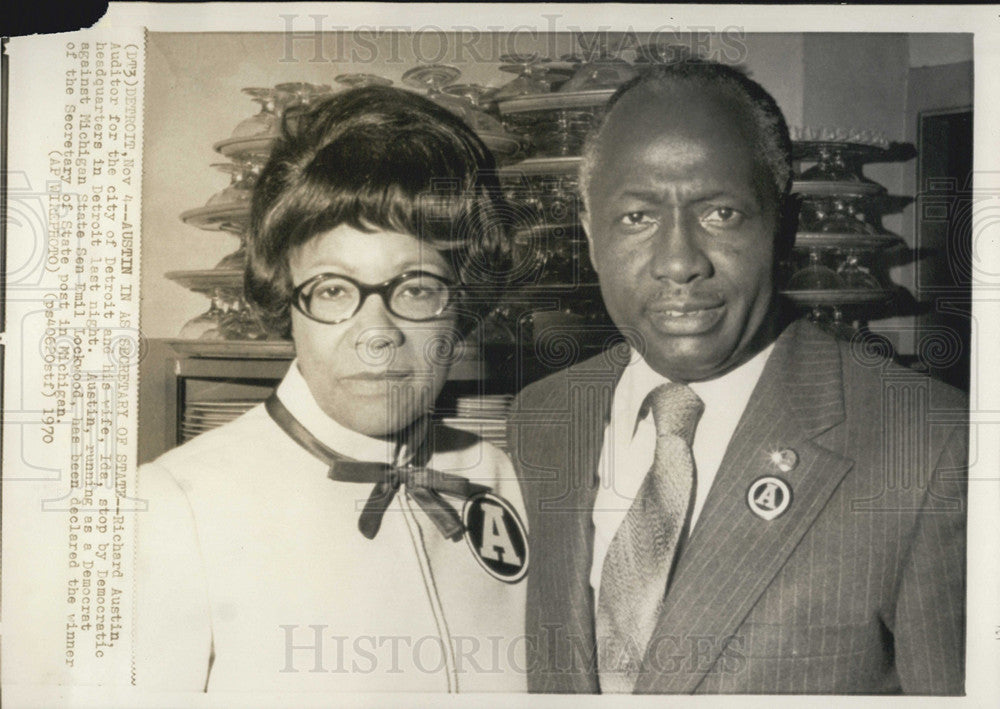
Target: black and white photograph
(548,356)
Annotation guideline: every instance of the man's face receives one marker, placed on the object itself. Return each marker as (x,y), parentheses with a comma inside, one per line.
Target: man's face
(374,373)
(681,225)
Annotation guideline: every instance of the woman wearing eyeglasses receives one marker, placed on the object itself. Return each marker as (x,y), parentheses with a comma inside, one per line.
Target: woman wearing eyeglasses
(334,538)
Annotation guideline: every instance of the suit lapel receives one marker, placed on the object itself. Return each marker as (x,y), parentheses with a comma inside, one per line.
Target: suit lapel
(733,554)
(565,441)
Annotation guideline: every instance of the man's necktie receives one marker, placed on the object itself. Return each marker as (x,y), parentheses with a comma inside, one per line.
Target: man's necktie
(637,566)
(423,484)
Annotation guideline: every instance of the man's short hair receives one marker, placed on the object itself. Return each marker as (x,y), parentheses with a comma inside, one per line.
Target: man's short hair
(377,158)
(772,146)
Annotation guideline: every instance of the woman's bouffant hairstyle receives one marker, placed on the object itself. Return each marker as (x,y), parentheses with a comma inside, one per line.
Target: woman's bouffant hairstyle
(378,159)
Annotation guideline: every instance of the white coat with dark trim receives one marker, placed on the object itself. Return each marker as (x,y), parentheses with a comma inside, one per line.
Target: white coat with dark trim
(252,574)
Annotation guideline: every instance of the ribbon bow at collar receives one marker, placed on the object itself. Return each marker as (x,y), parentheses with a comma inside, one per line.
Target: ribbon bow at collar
(424,485)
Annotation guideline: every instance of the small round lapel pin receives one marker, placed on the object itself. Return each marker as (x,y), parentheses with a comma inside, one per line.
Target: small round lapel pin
(496,536)
(768,497)
(785,460)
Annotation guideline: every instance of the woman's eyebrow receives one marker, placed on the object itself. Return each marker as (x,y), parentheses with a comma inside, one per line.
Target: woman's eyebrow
(328,267)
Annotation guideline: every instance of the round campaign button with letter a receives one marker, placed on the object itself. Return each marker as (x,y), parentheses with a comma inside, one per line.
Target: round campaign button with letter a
(769,497)
(496,536)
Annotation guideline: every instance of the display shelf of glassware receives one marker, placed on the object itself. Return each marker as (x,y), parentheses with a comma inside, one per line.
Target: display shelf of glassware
(536,124)
(838,268)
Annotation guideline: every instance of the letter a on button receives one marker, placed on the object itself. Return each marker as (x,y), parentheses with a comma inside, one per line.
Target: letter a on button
(768,497)
(496,537)
(497,544)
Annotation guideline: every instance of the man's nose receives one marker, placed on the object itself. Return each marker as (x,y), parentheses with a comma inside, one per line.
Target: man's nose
(376,327)
(678,254)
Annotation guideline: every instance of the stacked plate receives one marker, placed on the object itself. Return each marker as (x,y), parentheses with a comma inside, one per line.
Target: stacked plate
(201,416)
(492,406)
(489,429)
(484,416)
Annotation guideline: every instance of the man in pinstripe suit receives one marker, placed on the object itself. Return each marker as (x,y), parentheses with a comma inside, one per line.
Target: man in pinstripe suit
(823,547)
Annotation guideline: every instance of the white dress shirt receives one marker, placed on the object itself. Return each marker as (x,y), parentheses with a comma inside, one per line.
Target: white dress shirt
(628,447)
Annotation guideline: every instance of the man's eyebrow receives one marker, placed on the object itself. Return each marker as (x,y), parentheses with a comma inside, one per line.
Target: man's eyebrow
(732,194)
(642,195)
(655,196)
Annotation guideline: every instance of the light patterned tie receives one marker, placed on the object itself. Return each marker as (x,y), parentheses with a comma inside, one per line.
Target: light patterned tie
(637,565)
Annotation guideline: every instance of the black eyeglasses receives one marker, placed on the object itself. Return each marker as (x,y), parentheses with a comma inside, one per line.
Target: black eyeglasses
(414,295)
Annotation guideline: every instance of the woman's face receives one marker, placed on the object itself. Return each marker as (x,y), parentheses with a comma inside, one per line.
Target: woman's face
(374,373)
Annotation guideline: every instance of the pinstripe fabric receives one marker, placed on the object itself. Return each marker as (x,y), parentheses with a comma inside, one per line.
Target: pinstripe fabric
(857,587)
(557,437)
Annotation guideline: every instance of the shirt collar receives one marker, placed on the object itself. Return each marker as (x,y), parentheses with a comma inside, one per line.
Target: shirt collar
(734,386)
(295,394)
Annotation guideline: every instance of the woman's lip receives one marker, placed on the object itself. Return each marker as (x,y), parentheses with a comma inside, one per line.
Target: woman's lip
(375,386)
(377,376)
